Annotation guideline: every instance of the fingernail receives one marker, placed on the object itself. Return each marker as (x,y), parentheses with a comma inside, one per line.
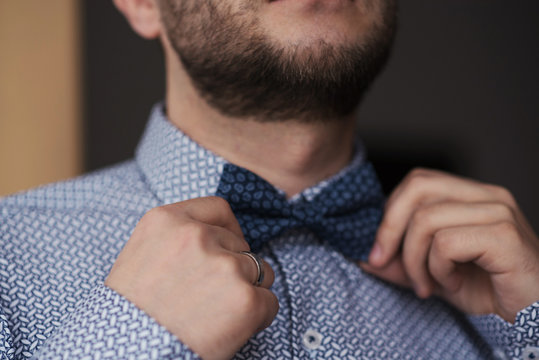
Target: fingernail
(376,254)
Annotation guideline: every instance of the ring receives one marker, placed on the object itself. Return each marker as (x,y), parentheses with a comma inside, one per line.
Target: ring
(259,267)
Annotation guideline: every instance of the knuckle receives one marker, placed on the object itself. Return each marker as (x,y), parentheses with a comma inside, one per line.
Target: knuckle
(220,203)
(422,217)
(192,235)
(227,264)
(418,178)
(157,215)
(441,242)
(503,194)
(154,225)
(193,231)
(507,228)
(419,171)
(247,300)
(503,210)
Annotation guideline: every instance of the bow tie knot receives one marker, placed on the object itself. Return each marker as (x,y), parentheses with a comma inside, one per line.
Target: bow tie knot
(345,213)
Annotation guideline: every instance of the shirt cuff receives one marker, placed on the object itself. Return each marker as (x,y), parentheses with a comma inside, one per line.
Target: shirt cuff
(512,341)
(105,325)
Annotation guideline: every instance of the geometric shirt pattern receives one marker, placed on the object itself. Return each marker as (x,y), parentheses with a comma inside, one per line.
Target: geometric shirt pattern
(59,242)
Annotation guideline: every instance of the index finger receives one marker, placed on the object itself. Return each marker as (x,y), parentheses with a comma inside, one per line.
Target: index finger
(212,210)
(421,187)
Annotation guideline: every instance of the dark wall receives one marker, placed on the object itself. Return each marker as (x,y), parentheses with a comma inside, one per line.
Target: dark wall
(124,76)
(464,84)
(460,93)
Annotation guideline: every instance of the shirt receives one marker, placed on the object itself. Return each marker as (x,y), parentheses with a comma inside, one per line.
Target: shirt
(59,242)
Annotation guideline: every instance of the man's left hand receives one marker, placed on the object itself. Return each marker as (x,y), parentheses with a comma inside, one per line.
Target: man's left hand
(462,240)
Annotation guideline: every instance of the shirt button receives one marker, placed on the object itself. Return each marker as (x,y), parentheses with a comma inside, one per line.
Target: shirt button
(312,339)
(530,353)
(499,354)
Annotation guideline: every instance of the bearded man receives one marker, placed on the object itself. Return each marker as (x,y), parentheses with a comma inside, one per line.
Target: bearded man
(250,223)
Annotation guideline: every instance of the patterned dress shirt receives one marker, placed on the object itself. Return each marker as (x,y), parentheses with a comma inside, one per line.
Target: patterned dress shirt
(58,243)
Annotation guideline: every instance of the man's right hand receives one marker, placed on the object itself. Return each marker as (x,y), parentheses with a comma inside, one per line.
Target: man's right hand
(182,266)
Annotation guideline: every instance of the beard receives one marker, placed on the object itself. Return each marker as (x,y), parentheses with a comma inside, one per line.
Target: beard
(242,73)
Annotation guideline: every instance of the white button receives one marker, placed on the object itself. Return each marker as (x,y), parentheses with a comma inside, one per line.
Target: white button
(499,354)
(531,353)
(312,339)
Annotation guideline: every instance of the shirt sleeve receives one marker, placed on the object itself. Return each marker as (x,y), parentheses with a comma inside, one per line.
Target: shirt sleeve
(6,340)
(105,325)
(512,341)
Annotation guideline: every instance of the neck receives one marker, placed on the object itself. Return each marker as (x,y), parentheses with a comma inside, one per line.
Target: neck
(291,155)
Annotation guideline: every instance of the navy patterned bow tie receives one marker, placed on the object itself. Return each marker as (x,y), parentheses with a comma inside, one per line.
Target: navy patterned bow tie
(346,213)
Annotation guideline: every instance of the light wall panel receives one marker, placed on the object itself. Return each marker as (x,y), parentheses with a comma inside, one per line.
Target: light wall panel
(40,106)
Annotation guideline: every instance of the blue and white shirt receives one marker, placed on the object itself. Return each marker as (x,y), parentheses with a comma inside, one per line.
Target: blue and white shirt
(59,242)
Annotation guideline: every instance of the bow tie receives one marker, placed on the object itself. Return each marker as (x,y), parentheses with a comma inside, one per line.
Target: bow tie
(345,213)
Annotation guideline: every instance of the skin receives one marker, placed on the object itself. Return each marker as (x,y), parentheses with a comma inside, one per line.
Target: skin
(303,154)
(242,69)
(465,241)
(181,265)
(313,151)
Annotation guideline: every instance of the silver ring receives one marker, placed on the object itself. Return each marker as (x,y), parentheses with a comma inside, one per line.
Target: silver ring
(259,267)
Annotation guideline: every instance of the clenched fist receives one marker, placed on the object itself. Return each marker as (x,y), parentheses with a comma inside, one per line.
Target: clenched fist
(183,266)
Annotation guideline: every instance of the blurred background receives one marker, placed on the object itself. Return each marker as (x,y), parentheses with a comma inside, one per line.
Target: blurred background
(461,92)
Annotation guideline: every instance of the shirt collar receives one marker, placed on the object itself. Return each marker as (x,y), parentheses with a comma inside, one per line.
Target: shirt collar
(177,168)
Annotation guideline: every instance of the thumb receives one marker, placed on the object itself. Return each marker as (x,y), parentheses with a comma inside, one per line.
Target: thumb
(393,272)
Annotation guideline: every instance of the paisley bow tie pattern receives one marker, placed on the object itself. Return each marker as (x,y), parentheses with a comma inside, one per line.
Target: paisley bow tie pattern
(345,213)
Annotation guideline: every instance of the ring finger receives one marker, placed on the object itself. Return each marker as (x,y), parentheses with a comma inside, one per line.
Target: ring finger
(256,269)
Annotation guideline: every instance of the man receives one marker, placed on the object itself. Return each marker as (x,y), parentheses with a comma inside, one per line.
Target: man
(226,264)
